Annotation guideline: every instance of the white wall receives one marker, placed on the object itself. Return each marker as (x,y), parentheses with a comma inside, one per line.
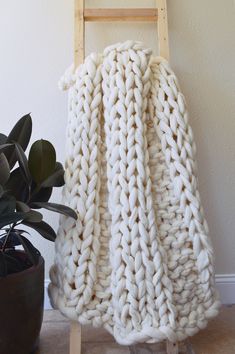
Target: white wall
(36,38)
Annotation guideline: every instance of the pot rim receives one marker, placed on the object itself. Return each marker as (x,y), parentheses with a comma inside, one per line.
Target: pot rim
(29,270)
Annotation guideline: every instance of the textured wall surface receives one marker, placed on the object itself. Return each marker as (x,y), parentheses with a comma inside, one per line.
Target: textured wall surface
(36,45)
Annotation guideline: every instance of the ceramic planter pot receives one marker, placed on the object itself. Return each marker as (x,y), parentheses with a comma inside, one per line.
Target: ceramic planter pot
(21,310)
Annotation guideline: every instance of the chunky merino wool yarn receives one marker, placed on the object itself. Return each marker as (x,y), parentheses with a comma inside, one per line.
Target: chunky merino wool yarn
(138,260)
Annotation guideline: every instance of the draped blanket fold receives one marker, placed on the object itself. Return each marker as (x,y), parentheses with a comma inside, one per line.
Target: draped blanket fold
(138,260)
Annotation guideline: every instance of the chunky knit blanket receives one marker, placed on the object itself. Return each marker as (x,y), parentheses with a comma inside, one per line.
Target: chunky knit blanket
(138,260)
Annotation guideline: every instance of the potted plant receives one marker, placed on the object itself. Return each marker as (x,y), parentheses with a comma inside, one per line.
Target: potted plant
(26,184)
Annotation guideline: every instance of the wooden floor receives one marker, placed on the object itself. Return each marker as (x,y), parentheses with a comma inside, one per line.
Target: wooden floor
(217,338)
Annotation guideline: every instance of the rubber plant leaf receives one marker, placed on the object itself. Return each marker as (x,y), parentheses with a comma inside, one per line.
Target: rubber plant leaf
(21,206)
(42,160)
(32,253)
(30,215)
(17,185)
(33,216)
(3,139)
(43,195)
(4,169)
(7,204)
(58,208)
(43,229)
(57,177)
(23,163)
(21,134)
(10,218)
(2,192)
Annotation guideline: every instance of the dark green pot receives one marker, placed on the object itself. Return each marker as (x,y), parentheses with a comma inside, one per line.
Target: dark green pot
(21,310)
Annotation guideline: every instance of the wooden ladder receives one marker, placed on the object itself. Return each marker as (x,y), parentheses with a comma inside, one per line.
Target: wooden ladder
(83,15)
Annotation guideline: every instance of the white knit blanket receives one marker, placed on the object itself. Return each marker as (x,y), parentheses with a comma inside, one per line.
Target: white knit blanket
(138,260)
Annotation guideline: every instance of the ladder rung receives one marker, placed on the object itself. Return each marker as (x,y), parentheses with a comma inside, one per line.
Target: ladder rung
(119,14)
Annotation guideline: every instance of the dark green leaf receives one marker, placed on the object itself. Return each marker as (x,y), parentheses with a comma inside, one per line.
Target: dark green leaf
(42,160)
(8,150)
(20,206)
(43,229)
(33,216)
(21,134)
(23,163)
(6,146)
(7,204)
(2,192)
(4,169)
(10,218)
(30,215)
(57,177)
(3,138)
(32,253)
(43,195)
(58,208)
(17,185)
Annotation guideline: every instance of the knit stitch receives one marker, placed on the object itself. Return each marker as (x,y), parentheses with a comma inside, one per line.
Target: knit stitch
(138,260)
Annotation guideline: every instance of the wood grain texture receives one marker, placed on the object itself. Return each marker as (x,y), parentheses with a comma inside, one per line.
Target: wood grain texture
(163,30)
(75,338)
(121,15)
(172,348)
(79,45)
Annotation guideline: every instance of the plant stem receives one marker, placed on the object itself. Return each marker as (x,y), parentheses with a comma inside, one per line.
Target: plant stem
(36,190)
(7,236)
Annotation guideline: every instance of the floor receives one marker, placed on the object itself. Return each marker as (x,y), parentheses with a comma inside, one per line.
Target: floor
(217,338)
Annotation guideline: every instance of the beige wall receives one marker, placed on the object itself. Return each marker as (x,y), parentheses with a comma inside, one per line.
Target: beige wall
(36,40)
